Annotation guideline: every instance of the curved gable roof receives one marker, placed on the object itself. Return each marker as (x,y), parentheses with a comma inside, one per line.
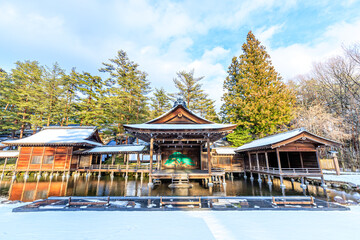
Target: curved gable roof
(179,114)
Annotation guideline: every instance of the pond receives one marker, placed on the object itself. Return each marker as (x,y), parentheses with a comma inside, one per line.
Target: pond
(32,190)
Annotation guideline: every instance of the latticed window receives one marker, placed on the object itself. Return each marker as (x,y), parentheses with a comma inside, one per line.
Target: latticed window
(36,160)
(48,160)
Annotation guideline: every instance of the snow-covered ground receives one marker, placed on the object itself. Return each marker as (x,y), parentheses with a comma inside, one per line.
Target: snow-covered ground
(179,225)
(350,177)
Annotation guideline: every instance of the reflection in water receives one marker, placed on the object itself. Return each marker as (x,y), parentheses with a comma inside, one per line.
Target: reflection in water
(31,189)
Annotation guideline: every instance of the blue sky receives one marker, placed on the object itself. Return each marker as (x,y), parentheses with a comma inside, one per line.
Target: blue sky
(164,37)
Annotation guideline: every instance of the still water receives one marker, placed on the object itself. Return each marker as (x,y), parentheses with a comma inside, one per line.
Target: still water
(32,190)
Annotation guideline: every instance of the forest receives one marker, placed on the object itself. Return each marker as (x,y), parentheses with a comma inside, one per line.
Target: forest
(326,101)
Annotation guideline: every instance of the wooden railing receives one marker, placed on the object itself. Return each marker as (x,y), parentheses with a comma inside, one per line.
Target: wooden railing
(117,167)
(285,170)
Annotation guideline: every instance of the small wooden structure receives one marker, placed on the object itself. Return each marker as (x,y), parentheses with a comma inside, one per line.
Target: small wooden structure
(290,154)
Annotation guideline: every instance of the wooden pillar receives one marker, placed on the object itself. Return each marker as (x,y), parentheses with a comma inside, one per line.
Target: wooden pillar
(267,161)
(157,161)
(257,161)
(151,158)
(113,159)
(278,159)
(100,165)
(201,164)
(2,175)
(301,160)
(288,159)
(138,160)
(127,164)
(318,160)
(250,165)
(90,161)
(209,156)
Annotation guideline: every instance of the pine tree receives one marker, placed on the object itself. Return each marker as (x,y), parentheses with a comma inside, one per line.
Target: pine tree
(255,97)
(126,93)
(90,111)
(27,77)
(207,109)
(53,90)
(7,115)
(160,103)
(189,88)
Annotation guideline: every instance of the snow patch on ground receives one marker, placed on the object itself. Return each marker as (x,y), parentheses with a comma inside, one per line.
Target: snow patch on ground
(350,177)
(179,225)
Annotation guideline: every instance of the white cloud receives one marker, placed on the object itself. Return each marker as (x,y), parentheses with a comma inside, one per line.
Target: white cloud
(298,59)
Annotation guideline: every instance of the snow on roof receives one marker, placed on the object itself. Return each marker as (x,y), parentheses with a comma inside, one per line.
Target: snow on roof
(273,139)
(8,154)
(59,135)
(179,126)
(225,150)
(115,149)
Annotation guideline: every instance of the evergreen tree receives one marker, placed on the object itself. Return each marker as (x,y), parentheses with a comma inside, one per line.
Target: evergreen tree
(7,116)
(70,96)
(27,78)
(256,99)
(189,88)
(90,110)
(53,90)
(126,93)
(207,109)
(160,103)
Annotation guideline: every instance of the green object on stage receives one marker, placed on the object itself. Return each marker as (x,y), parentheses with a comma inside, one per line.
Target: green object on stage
(178,159)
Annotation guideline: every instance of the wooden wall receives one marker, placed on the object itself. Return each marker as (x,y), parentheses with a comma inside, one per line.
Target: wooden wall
(62,158)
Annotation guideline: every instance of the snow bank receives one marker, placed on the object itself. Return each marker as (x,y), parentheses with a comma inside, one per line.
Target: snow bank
(179,225)
(350,178)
